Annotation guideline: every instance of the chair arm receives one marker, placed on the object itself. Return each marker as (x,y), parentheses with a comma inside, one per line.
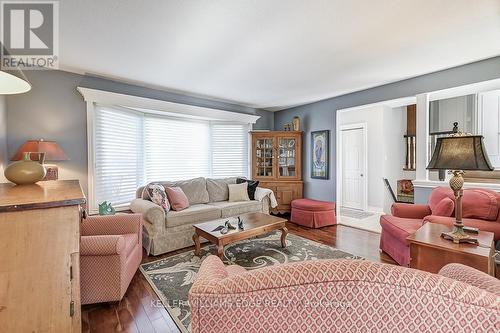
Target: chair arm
(410,211)
(151,212)
(119,224)
(471,276)
(105,245)
(211,271)
(483,225)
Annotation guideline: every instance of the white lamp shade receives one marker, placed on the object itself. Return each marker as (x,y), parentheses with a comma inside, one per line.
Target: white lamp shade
(13,83)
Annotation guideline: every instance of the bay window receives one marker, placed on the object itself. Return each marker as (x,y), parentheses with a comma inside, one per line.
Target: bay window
(132,148)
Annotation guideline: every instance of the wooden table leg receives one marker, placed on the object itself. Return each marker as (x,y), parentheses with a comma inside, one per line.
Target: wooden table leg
(196,240)
(284,232)
(220,251)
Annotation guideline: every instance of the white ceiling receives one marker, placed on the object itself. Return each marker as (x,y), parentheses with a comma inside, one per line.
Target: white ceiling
(274,53)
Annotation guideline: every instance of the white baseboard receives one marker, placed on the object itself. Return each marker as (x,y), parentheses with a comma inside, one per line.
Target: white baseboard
(374,209)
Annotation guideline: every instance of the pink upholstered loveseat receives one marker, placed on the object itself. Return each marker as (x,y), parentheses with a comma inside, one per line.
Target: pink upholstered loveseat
(480,210)
(342,296)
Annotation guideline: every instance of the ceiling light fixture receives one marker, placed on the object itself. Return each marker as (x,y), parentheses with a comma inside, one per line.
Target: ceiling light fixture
(13,82)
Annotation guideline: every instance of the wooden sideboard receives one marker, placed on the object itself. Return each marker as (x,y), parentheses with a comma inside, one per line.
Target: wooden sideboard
(39,257)
(277,165)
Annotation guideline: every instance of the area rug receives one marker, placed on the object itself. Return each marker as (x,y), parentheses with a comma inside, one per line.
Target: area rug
(355,214)
(172,277)
(369,221)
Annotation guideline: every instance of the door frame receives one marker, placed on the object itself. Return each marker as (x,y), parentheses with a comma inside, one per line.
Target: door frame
(363,126)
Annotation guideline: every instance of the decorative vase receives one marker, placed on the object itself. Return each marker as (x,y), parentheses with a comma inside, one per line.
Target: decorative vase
(296,123)
(105,208)
(26,171)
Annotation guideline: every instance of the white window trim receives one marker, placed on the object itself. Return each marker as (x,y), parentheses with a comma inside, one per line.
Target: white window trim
(422,174)
(92,97)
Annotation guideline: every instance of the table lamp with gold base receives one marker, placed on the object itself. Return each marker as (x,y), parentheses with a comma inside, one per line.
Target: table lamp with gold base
(53,152)
(457,153)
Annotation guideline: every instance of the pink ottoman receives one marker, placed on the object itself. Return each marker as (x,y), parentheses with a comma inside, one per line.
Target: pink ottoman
(313,213)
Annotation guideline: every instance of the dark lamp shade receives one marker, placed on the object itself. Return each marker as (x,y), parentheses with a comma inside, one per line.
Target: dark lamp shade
(51,149)
(460,153)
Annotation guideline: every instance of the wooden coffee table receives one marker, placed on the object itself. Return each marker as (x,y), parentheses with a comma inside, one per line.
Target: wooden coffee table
(430,252)
(255,224)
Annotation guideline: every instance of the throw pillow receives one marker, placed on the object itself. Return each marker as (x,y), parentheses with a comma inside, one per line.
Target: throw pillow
(252,186)
(445,207)
(156,193)
(178,200)
(238,192)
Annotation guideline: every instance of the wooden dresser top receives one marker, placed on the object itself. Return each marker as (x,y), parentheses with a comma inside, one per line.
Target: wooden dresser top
(45,194)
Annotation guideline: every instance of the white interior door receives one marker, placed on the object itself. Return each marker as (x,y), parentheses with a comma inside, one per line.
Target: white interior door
(353,165)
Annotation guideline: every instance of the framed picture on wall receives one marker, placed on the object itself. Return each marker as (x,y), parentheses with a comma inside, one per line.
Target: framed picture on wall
(320,145)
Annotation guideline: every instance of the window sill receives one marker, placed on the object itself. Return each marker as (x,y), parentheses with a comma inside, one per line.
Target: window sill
(436,183)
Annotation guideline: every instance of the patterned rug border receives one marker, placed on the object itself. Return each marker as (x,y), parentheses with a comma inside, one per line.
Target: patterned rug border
(164,300)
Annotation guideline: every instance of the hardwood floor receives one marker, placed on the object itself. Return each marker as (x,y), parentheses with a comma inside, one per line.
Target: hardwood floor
(141,311)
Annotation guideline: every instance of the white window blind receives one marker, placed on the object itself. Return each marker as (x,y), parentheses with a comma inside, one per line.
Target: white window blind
(133,148)
(176,148)
(118,161)
(229,143)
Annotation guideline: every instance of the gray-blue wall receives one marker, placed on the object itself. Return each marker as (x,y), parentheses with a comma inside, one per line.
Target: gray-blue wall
(321,115)
(54,110)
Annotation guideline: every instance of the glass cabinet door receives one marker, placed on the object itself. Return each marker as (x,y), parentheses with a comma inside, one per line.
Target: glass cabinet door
(264,148)
(287,164)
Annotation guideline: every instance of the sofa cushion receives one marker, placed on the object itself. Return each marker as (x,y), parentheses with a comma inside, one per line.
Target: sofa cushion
(195,189)
(177,198)
(476,203)
(217,188)
(252,186)
(157,194)
(238,192)
(444,208)
(438,194)
(479,204)
(238,208)
(192,215)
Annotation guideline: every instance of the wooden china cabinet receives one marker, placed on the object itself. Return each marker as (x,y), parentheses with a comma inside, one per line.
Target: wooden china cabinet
(277,164)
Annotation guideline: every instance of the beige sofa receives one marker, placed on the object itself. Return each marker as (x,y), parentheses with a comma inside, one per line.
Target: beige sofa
(208,200)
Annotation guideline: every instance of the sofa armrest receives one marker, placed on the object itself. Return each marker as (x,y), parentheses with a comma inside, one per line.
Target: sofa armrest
(471,276)
(211,271)
(266,205)
(105,245)
(119,224)
(410,211)
(151,212)
(262,193)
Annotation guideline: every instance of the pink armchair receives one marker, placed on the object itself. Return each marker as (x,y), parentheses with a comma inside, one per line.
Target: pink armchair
(342,296)
(110,253)
(480,210)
